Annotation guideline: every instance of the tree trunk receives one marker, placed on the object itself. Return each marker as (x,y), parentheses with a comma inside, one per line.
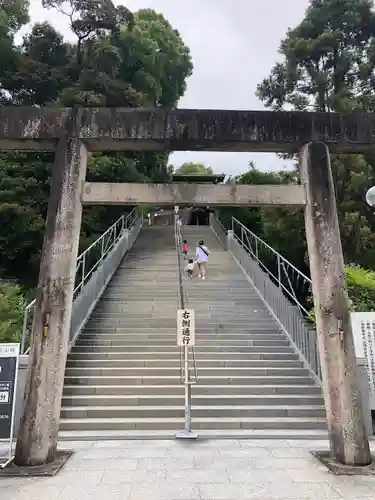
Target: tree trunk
(37,438)
(348,437)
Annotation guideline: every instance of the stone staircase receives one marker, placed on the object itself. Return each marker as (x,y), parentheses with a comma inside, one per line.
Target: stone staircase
(123,374)
(251,381)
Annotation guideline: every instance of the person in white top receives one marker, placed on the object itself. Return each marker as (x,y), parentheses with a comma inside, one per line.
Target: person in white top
(201,258)
(190,268)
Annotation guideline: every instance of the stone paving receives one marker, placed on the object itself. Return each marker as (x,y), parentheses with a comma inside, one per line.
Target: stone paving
(204,470)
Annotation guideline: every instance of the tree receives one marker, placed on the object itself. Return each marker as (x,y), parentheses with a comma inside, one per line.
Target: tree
(329,65)
(40,73)
(191,168)
(24,190)
(329,60)
(121,54)
(13,15)
(156,58)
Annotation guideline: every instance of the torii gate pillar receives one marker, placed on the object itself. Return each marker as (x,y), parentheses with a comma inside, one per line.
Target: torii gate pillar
(38,431)
(347,433)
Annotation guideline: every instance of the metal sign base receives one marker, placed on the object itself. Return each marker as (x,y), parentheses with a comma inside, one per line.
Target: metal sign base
(186,435)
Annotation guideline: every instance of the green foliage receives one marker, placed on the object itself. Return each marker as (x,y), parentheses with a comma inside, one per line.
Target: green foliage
(12,306)
(155,58)
(328,64)
(328,60)
(13,15)
(191,168)
(281,226)
(361,288)
(119,58)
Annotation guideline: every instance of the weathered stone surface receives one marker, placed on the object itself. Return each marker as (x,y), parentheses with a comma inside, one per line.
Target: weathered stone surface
(30,128)
(97,193)
(186,129)
(346,423)
(225,130)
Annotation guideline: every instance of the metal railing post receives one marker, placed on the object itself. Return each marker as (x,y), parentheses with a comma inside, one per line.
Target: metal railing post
(278,270)
(83,270)
(24,330)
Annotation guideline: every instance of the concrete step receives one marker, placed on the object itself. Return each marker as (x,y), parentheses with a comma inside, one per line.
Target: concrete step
(219,412)
(170,315)
(121,400)
(112,323)
(204,341)
(213,336)
(253,434)
(209,348)
(175,380)
(98,328)
(199,389)
(261,423)
(114,310)
(145,371)
(229,295)
(175,363)
(121,305)
(173,354)
(226,294)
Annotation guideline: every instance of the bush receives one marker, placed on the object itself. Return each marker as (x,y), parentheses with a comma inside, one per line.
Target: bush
(361,288)
(12,306)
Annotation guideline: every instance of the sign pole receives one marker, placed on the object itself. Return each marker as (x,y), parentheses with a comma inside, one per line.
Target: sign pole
(9,363)
(186,338)
(187,392)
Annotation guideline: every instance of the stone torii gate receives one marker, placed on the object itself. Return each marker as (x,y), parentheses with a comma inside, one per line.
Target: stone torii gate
(72,132)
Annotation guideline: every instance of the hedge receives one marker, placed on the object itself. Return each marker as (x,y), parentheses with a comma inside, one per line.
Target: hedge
(361,288)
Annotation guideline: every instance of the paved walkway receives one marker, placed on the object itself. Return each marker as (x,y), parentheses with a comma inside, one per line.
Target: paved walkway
(207,470)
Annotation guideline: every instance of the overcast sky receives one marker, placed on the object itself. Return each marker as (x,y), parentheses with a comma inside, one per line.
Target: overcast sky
(233,46)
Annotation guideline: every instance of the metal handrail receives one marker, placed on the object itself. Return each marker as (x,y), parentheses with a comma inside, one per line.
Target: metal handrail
(87,263)
(278,289)
(253,245)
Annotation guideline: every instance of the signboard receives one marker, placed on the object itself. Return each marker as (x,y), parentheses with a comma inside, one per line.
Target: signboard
(363,325)
(9,356)
(185,327)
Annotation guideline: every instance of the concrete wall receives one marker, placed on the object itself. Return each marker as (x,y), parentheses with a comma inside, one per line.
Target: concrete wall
(166,218)
(203,195)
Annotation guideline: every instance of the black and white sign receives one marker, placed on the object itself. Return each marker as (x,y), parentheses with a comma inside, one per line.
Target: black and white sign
(9,354)
(185,327)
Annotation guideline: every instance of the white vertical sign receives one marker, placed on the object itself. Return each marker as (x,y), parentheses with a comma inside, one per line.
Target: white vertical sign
(185,327)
